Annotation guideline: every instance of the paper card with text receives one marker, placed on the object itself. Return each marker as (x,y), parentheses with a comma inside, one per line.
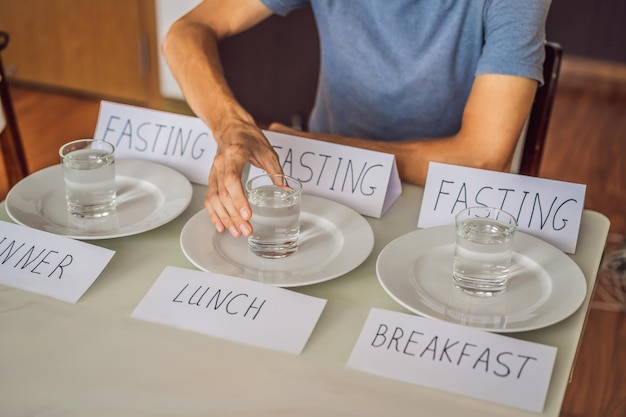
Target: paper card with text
(231,308)
(49,264)
(454,358)
(364,180)
(181,142)
(548,209)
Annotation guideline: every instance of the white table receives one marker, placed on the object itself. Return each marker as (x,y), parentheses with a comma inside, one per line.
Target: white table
(92,359)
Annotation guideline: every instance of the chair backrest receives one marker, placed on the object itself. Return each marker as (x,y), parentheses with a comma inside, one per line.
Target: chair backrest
(537,126)
(11,145)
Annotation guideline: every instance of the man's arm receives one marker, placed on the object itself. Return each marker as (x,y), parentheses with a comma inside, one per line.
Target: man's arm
(494,116)
(190,48)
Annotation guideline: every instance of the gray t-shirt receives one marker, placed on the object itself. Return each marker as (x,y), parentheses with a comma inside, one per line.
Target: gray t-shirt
(403,69)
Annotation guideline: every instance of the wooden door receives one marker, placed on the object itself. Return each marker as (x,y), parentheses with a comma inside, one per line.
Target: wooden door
(103,48)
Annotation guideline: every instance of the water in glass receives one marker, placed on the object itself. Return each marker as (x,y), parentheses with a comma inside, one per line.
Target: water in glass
(89,182)
(483,251)
(275,221)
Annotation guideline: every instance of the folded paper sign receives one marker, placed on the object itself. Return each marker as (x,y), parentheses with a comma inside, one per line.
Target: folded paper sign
(367,181)
(548,209)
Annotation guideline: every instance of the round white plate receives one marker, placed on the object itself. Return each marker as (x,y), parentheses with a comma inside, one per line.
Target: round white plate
(148,196)
(334,240)
(545,285)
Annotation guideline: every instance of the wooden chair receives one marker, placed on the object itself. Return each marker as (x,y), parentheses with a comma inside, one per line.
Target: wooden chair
(11,145)
(537,127)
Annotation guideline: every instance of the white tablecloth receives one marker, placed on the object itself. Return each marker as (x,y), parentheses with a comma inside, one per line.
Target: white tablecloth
(92,359)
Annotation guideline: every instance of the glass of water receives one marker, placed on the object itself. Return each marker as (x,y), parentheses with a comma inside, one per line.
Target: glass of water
(89,176)
(483,250)
(275,201)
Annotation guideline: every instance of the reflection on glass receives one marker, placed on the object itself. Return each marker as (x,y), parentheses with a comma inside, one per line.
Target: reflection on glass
(487,313)
(449,303)
(93,226)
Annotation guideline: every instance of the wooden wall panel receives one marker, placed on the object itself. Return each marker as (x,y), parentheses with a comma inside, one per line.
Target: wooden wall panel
(99,47)
(593,29)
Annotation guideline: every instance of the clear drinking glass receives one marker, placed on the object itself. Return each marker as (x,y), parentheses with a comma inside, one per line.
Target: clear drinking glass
(483,250)
(275,202)
(89,176)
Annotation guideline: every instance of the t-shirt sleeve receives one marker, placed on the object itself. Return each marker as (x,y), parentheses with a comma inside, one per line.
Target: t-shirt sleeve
(514,38)
(283,7)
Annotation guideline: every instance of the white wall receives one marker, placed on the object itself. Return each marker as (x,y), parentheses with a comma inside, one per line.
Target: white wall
(167,11)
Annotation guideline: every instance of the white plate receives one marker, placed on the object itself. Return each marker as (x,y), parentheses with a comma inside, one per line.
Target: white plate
(334,240)
(148,196)
(545,285)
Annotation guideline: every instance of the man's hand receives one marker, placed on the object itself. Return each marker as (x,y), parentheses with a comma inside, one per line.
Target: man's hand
(226,201)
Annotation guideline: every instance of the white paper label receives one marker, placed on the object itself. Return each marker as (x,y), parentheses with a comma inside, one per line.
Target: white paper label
(454,358)
(49,264)
(364,180)
(231,308)
(181,142)
(550,210)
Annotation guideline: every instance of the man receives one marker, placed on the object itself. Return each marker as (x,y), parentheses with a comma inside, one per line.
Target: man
(427,80)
